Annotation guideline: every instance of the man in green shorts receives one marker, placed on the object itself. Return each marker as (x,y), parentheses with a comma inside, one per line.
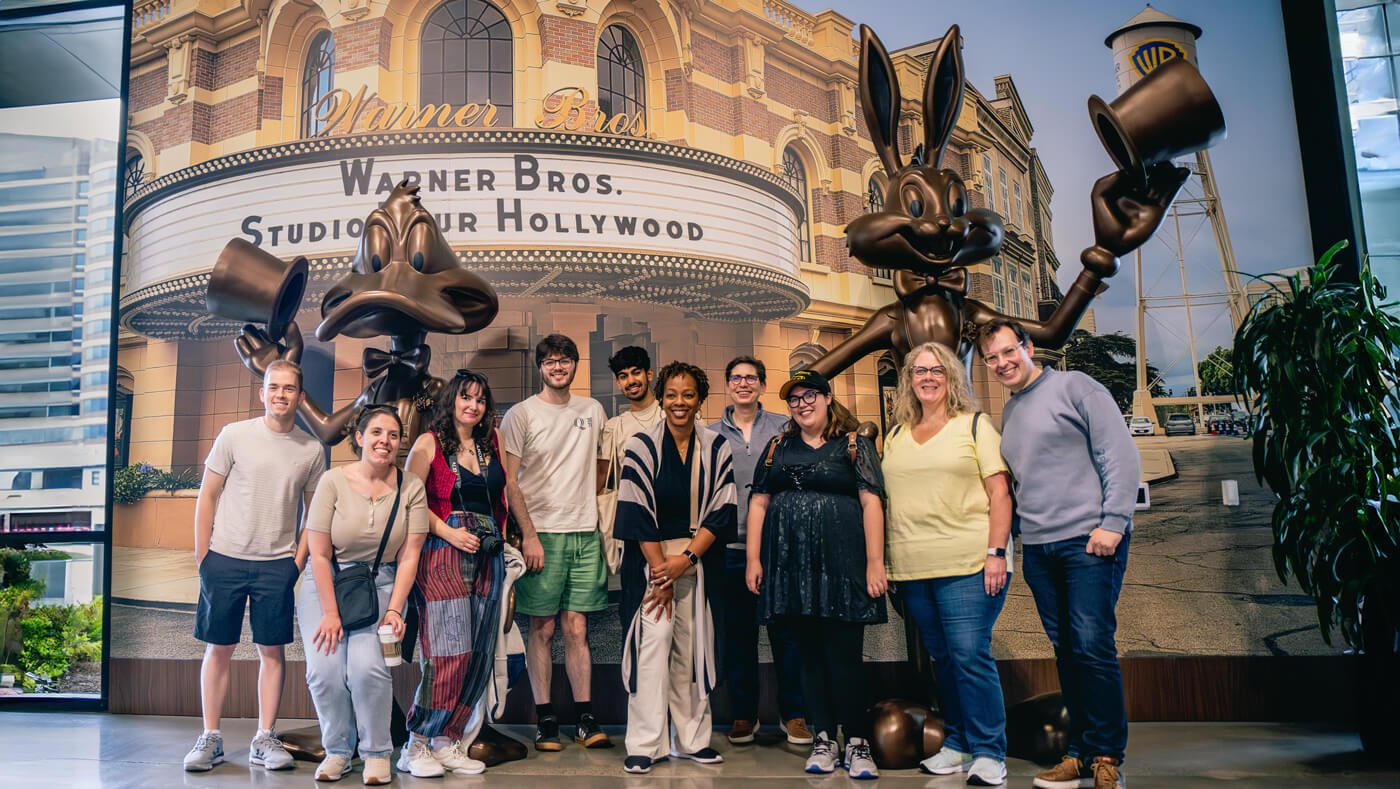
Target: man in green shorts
(551,445)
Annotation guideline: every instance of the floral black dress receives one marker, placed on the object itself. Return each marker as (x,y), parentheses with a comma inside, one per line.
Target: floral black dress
(813,548)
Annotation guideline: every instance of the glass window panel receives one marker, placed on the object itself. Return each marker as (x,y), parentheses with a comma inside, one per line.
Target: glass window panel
(455,57)
(1362,32)
(478,57)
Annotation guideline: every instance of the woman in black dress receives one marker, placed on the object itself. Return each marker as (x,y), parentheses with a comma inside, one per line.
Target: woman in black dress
(816,558)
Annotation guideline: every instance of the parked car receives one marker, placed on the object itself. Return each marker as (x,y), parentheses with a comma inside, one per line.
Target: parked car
(1180,425)
(1140,426)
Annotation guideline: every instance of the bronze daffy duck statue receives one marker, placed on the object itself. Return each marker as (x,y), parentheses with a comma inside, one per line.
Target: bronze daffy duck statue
(404,282)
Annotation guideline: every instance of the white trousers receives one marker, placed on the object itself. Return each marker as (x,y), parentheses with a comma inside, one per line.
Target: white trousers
(506,645)
(665,663)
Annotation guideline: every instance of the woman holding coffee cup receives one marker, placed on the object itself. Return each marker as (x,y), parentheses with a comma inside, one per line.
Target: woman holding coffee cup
(354,508)
(462,575)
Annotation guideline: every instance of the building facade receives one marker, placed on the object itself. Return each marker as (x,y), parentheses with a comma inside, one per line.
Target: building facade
(675,175)
(57,224)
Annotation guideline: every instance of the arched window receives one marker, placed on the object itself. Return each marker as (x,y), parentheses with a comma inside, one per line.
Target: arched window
(797,176)
(135,170)
(467,57)
(317,80)
(875,193)
(621,77)
(875,201)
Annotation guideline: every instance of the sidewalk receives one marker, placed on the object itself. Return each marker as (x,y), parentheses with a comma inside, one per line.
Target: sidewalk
(144,576)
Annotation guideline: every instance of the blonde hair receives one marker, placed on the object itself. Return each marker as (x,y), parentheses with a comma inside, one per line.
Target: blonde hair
(907,408)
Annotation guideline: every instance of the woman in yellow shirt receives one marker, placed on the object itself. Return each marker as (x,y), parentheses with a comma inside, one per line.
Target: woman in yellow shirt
(948,536)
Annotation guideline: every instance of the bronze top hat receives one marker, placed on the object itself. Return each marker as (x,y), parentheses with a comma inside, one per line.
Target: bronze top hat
(253,286)
(1169,113)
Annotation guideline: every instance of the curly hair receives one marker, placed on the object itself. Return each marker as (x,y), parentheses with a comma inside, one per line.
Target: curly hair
(907,408)
(702,381)
(631,356)
(443,422)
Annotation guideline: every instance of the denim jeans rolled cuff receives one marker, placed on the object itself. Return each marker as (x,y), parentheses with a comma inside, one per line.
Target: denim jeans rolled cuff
(1076,594)
(740,638)
(350,687)
(955,617)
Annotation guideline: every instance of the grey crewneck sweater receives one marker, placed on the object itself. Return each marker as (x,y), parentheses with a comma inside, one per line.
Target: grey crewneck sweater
(1075,465)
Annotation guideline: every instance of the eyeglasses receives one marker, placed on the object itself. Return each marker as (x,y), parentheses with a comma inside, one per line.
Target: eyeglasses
(743,379)
(557,363)
(808,397)
(1004,353)
(924,372)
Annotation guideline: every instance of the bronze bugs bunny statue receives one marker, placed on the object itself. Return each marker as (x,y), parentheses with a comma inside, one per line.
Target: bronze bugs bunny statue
(928,233)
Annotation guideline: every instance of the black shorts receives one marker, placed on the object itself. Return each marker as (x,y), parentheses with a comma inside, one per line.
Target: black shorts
(226,584)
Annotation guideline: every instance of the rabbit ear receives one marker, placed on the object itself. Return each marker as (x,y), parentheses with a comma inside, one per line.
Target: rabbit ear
(943,95)
(879,99)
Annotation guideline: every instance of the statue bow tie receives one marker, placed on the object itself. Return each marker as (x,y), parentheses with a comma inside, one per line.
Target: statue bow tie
(377,361)
(954,279)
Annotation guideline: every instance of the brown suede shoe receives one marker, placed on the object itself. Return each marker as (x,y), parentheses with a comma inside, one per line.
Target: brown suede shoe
(1106,773)
(1070,773)
(797,731)
(741,733)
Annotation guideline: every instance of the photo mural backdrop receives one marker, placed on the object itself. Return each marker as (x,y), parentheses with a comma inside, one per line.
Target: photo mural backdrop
(679,177)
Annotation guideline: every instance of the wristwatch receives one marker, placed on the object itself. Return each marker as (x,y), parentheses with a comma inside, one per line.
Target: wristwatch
(1000,553)
(691,555)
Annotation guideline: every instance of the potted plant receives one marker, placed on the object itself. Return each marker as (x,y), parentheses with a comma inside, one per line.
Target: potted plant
(1318,361)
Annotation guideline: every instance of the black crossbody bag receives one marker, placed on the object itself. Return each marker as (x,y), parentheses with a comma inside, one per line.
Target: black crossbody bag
(355,595)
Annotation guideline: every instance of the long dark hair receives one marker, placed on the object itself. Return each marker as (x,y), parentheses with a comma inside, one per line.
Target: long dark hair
(443,421)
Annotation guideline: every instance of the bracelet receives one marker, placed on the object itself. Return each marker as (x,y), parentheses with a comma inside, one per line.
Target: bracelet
(394,612)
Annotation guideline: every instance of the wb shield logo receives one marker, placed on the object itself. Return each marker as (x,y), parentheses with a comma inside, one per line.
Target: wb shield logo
(1154,52)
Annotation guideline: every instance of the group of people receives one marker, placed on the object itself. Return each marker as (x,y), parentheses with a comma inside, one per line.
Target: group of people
(797,523)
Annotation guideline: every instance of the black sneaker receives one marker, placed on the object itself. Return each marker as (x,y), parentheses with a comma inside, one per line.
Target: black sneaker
(703,756)
(547,734)
(590,734)
(640,764)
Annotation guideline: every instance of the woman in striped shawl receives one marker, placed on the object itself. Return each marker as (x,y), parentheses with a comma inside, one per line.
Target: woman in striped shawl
(676,501)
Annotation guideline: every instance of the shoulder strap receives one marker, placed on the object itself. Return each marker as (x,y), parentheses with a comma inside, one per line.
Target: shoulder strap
(388,524)
(772,448)
(896,430)
(976,417)
(851,446)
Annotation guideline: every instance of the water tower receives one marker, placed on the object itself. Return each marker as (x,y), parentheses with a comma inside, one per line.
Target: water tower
(1139,46)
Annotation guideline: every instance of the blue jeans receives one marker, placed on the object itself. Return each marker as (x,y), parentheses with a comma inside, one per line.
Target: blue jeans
(741,644)
(351,687)
(955,616)
(1076,594)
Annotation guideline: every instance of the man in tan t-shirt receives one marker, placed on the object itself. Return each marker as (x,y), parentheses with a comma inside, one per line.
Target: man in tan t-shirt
(551,449)
(259,473)
(631,366)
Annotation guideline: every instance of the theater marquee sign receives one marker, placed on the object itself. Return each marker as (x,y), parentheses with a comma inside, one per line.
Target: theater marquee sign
(538,213)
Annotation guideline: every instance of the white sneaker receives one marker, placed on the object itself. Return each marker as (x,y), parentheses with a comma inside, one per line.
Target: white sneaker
(454,757)
(417,759)
(946,762)
(823,759)
(859,761)
(332,768)
(208,751)
(986,771)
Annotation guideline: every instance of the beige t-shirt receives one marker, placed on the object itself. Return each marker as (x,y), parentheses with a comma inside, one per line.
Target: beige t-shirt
(938,517)
(356,523)
(558,450)
(629,423)
(266,474)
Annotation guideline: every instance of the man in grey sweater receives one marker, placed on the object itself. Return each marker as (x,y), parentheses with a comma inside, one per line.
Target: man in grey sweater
(1076,476)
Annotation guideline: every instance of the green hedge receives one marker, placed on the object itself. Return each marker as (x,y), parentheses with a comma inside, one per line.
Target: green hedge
(131,483)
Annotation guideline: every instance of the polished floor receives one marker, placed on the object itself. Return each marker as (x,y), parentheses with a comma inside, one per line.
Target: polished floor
(91,750)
